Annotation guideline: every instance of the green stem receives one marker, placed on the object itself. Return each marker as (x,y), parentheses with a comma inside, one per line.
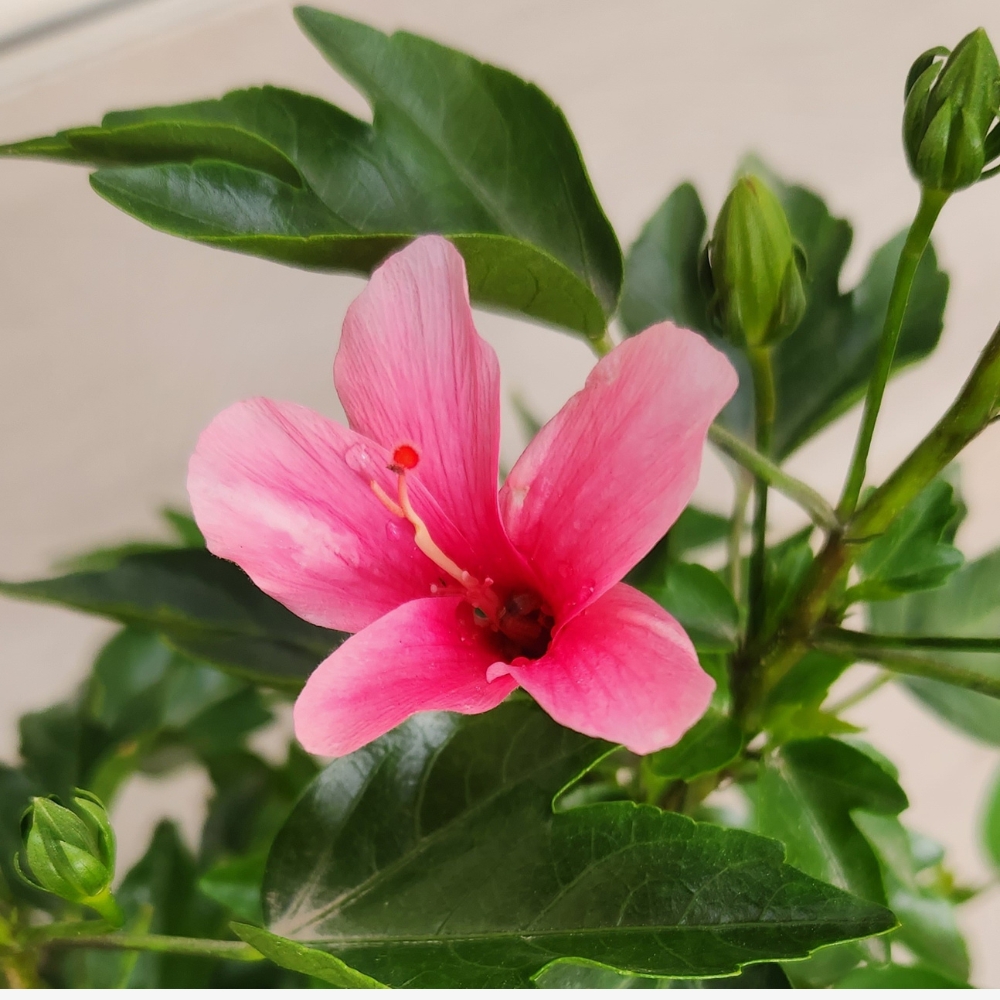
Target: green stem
(914,666)
(931,203)
(234,951)
(603,345)
(865,691)
(764,406)
(820,512)
(106,905)
(954,643)
(734,555)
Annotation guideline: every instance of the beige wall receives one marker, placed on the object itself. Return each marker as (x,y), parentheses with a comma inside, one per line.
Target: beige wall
(118,344)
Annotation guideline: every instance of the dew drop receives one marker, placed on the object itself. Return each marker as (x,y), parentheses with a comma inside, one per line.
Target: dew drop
(393,531)
(358,459)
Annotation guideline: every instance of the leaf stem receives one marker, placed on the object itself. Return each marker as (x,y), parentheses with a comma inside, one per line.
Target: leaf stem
(865,691)
(764,406)
(603,345)
(931,203)
(821,512)
(954,643)
(235,951)
(914,666)
(734,555)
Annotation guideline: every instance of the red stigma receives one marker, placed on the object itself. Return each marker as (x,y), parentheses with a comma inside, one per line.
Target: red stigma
(406,457)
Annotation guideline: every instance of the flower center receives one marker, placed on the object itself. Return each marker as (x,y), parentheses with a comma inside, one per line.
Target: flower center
(522,621)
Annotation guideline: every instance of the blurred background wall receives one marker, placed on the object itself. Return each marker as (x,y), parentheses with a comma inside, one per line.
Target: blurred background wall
(118,344)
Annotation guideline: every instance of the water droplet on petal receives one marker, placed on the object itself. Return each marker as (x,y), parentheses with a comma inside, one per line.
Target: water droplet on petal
(358,459)
(393,531)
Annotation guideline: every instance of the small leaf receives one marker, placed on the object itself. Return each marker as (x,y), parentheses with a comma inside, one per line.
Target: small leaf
(899,977)
(701,602)
(928,925)
(433,858)
(967,604)
(991,825)
(806,793)
(204,606)
(714,741)
(916,552)
(299,958)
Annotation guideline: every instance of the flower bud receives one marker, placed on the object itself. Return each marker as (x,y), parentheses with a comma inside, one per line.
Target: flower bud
(70,852)
(951,106)
(753,268)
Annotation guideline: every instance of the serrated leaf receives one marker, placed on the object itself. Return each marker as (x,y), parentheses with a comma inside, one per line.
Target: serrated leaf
(310,961)
(204,606)
(823,367)
(968,604)
(456,147)
(433,858)
(916,553)
(927,920)
(806,793)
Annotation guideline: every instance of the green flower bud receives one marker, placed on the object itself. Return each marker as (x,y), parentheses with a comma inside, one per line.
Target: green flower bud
(949,121)
(70,852)
(753,268)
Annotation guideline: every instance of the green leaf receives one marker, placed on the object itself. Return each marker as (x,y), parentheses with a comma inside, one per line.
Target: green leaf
(786,565)
(311,961)
(455,147)
(235,883)
(968,604)
(184,527)
(822,368)
(204,606)
(661,267)
(916,552)
(991,824)
(806,793)
(694,529)
(899,977)
(433,858)
(714,741)
(928,925)
(793,709)
(565,975)
(701,602)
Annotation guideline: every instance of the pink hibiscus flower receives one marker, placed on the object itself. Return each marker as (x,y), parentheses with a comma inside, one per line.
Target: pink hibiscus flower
(394,529)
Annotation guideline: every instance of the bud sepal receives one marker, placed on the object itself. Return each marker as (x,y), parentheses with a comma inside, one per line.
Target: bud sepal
(70,852)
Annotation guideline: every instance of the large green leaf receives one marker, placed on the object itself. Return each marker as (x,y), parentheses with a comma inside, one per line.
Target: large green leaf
(823,367)
(806,792)
(204,606)
(916,553)
(455,146)
(577,976)
(968,604)
(433,858)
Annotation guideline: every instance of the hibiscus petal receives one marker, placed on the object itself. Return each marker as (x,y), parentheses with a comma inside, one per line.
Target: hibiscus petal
(285,493)
(610,473)
(623,670)
(426,655)
(411,369)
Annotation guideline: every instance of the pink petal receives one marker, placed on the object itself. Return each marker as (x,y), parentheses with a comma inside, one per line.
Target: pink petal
(425,655)
(411,369)
(623,670)
(609,474)
(285,493)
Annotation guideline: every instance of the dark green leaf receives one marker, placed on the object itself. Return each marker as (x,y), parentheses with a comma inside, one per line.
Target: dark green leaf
(968,604)
(52,748)
(823,367)
(794,706)
(694,529)
(899,977)
(432,857)
(709,745)
(701,602)
(236,884)
(806,792)
(928,925)
(125,687)
(916,552)
(456,147)
(991,824)
(184,527)
(577,976)
(311,961)
(204,606)
(661,268)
